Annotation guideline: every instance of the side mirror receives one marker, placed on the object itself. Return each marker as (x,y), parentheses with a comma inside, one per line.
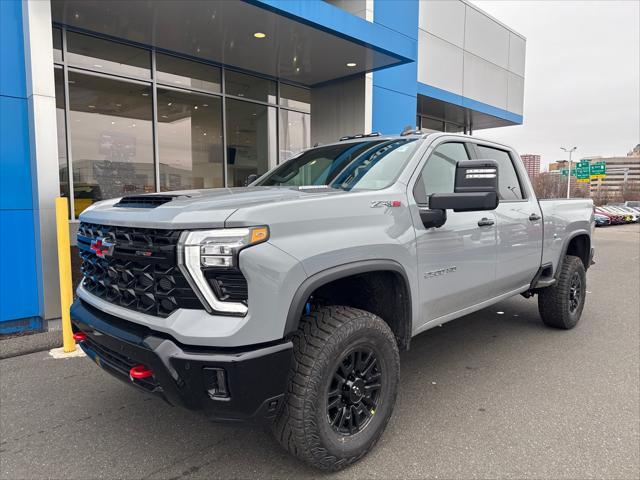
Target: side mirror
(250,179)
(475,190)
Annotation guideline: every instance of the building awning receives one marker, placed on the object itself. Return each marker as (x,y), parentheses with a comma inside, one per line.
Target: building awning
(309,43)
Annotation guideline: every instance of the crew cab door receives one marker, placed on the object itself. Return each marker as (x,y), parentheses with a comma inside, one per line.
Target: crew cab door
(519,222)
(456,262)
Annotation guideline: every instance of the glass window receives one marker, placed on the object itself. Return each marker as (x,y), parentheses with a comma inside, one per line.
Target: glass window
(189,140)
(295,97)
(431,125)
(186,73)
(251,140)
(369,165)
(57,44)
(248,86)
(111,138)
(63,163)
(508,184)
(453,128)
(438,174)
(103,55)
(295,133)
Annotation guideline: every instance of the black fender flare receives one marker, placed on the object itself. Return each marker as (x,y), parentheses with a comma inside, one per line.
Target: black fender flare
(324,277)
(565,247)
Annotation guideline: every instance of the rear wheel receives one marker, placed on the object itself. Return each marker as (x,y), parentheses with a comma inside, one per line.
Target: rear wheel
(342,387)
(561,305)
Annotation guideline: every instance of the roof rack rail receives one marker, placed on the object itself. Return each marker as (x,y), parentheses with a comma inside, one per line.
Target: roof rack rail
(360,135)
(409,130)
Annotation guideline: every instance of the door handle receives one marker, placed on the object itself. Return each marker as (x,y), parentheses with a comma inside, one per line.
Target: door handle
(485,222)
(534,217)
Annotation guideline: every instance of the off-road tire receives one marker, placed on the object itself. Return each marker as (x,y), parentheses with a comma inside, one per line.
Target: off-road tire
(554,303)
(324,337)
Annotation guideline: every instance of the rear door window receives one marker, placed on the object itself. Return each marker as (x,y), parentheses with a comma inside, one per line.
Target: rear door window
(508,184)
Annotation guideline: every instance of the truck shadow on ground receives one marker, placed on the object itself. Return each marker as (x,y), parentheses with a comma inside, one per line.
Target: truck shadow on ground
(459,350)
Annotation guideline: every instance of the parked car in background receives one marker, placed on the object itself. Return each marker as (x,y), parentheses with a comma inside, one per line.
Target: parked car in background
(601,220)
(628,210)
(626,217)
(615,219)
(633,203)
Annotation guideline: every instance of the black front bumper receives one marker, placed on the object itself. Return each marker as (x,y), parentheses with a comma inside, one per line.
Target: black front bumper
(240,384)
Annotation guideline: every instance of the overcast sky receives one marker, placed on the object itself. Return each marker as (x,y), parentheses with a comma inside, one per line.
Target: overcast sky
(582,77)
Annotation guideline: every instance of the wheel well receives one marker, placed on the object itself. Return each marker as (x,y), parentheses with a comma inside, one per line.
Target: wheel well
(383,293)
(580,246)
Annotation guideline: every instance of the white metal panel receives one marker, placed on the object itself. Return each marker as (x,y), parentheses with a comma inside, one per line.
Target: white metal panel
(443,19)
(484,81)
(517,47)
(439,63)
(486,38)
(515,101)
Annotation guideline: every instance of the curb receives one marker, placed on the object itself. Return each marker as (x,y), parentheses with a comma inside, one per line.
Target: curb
(38,342)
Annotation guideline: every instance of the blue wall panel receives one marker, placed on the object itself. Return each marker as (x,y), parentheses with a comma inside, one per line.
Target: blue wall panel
(19,295)
(392,111)
(18,280)
(12,71)
(15,163)
(395,88)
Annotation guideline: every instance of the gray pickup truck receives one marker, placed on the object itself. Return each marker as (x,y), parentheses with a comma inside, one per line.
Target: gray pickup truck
(290,300)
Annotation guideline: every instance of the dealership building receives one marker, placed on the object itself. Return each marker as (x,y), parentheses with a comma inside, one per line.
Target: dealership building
(101,99)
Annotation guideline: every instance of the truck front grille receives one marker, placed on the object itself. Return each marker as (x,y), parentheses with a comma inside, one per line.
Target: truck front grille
(141,271)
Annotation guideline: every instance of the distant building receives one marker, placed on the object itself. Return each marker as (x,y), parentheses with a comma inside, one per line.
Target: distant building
(622,177)
(532,164)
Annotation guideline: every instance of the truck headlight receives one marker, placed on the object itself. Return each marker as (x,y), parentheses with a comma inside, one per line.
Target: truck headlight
(211,249)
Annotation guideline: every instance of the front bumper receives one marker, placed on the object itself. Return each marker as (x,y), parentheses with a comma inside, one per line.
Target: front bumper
(238,384)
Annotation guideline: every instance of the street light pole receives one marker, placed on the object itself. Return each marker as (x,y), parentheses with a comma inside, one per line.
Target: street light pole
(570,150)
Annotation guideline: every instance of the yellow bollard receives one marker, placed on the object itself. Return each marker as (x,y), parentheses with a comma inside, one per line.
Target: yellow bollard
(64,266)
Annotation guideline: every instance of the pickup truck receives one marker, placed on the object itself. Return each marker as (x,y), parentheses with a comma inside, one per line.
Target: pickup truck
(289,300)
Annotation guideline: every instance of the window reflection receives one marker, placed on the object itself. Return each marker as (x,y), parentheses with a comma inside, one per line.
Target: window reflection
(186,73)
(63,163)
(295,133)
(102,55)
(248,86)
(251,140)
(295,97)
(189,140)
(57,44)
(111,138)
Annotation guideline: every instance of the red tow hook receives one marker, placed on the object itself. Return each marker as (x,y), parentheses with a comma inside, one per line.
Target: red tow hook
(139,372)
(79,337)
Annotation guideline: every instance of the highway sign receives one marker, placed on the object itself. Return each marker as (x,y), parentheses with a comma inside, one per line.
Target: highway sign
(598,170)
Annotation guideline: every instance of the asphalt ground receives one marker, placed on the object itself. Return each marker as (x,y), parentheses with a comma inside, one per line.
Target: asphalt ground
(491,395)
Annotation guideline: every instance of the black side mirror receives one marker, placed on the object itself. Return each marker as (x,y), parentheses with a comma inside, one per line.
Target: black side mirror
(250,179)
(476,189)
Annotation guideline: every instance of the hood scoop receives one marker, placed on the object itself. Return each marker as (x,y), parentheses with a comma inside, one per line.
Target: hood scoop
(146,201)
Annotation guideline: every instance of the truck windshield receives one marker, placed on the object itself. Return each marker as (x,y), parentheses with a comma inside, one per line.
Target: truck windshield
(366,165)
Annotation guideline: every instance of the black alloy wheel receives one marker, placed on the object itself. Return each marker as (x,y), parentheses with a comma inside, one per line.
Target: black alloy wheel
(354,391)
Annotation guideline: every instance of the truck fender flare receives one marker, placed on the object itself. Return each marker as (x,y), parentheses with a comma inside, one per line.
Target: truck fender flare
(565,247)
(324,277)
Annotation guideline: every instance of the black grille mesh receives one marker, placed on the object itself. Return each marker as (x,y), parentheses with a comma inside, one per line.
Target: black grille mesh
(142,273)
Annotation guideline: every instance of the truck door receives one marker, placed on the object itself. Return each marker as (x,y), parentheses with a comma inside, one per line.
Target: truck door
(519,224)
(456,262)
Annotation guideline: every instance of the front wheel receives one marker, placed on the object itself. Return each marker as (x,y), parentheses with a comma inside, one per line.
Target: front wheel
(561,305)
(342,387)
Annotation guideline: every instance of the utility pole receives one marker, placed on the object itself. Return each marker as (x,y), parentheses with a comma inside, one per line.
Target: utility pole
(570,150)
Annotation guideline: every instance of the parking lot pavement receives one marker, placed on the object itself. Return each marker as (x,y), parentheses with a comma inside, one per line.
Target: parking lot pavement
(494,394)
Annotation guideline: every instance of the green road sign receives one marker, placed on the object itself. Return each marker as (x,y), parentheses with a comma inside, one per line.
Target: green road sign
(582,170)
(598,170)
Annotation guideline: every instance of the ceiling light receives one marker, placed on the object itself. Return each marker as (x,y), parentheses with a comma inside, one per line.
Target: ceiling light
(169,104)
(352,64)
(259,35)
(205,105)
(76,15)
(92,106)
(145,94)
(113,123)
(297,69)
(196,107)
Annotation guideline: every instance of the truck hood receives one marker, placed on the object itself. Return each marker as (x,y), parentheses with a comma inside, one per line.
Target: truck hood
(207,208)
